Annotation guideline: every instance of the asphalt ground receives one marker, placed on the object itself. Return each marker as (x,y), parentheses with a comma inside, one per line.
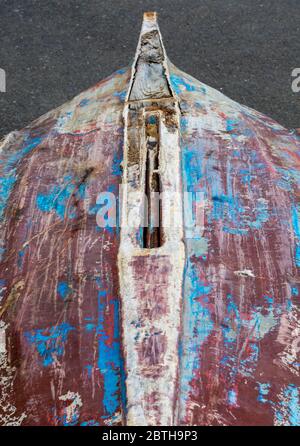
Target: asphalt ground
(52,50)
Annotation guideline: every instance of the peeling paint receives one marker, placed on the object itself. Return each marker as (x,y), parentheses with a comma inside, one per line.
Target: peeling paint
(209,316)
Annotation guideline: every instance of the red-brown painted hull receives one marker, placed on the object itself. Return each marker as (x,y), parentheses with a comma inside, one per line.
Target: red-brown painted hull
(62,345)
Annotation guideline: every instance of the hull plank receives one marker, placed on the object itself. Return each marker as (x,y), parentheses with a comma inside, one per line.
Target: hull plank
(59,277)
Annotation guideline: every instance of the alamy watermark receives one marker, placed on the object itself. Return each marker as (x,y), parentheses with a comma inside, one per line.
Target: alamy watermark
(2,81)
(296,80)
(158,209)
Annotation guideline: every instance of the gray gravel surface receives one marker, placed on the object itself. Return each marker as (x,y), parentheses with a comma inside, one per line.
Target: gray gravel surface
(52,50)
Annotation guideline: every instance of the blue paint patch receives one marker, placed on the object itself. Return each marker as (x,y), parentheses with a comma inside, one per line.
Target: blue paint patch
(116,165)
(2,288)
(269,299)
(21,254)
(14,158)
(232,397)
(261,213)
(179,84)
(184,125)
(84,102)
(224,360)
(232,319)
(121,70)
(90,423)
(263,391)
(109,357)
(66,420)
(231,125)
(289,305)
(121,95)
(192,168)
(50,343)
(197,326)
(7,181)
(228,209)
(63,290)
(6,185)
(263,319)
(234,231)
(296,227)
(246,176)
(89,369)
(288,177)
(58,198)
(89,327)
(2,252)
(288,413)
(295,291)
(63,120)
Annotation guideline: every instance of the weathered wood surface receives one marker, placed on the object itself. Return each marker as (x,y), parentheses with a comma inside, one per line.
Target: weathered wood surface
(61,355)
(151,265)
(62,349)
(240,357)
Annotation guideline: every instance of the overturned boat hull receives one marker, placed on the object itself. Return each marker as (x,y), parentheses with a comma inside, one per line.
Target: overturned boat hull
(185,324)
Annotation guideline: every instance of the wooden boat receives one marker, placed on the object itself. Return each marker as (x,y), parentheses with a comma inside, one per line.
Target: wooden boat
(109,323)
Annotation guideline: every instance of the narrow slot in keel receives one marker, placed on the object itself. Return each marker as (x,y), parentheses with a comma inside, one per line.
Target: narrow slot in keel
(152,236)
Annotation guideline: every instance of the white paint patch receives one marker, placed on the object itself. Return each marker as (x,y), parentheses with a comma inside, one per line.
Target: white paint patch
(289,338)
(72,410)
(8,140)
(2,337)
(244,273)
(8,411)
(112,421)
